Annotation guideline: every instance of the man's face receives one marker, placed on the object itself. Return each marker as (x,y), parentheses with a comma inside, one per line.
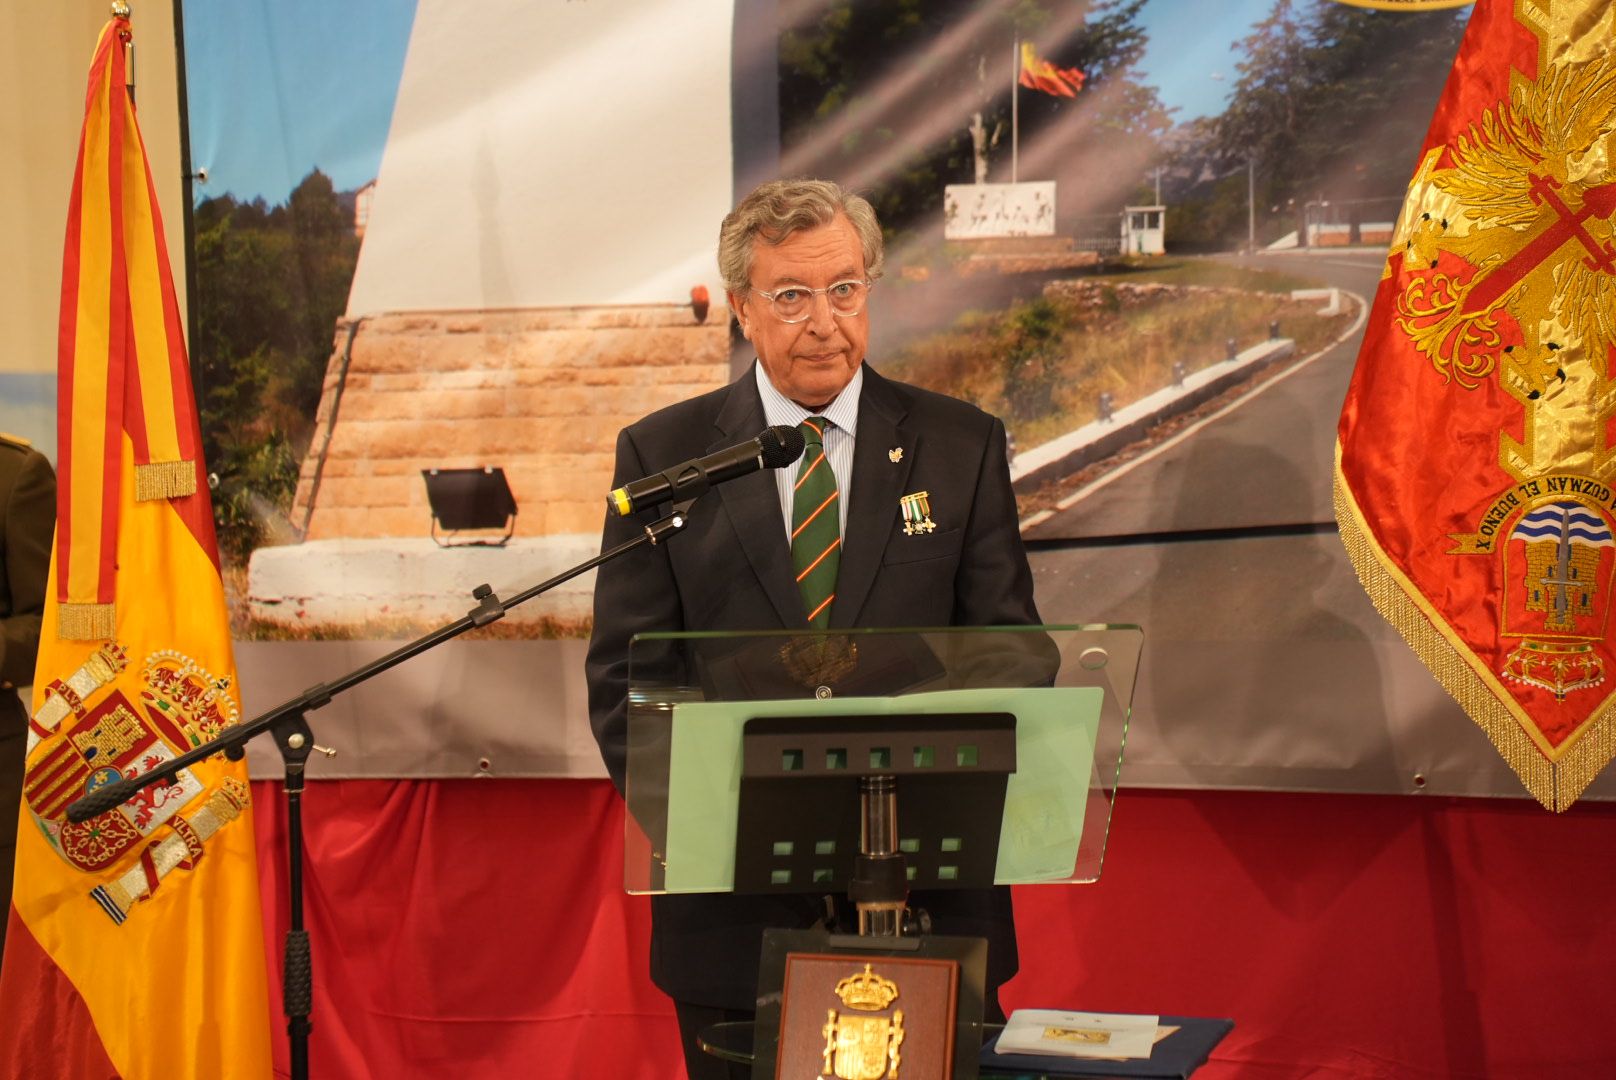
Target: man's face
(809,361)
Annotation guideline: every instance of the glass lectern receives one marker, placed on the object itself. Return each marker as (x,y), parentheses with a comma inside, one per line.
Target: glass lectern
(873,763)
(746,752)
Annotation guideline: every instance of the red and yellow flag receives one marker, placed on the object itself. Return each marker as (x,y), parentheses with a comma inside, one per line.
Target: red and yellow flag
(135,942)
(1475,477)
(1037,74)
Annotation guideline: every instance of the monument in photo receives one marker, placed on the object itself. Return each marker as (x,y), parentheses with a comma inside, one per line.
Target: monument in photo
(991,211)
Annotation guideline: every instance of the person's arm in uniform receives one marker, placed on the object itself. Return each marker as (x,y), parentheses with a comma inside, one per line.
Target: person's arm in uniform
(27,526)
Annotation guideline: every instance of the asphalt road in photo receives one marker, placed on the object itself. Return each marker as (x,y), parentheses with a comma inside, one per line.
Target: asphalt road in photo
(1262,458)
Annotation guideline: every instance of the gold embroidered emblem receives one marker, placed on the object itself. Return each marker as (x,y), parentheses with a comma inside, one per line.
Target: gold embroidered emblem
(916,510)
(1511,261)
(863,1047)
(87,733)
(895,455)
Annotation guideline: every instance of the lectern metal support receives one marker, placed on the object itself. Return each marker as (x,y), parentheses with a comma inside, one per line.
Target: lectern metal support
(880,887)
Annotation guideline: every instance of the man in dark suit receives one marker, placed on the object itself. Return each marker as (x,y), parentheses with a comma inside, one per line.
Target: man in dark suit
(27,524)
(799,260)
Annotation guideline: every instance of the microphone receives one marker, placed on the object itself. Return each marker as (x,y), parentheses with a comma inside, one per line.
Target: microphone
(773,448)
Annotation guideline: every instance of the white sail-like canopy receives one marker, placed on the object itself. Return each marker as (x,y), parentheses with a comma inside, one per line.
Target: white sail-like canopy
(552,154)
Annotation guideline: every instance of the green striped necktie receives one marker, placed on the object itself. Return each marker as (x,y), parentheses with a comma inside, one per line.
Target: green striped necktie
(816,532)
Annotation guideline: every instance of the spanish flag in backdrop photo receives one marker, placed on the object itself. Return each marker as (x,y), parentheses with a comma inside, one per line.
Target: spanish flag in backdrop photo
(135,941)
(1038,73)
(1475,480)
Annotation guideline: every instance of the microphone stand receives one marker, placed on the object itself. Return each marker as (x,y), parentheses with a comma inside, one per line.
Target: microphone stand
(289,724)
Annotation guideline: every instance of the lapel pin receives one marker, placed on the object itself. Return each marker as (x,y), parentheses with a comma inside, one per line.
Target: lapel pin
(896,454)
(917,513)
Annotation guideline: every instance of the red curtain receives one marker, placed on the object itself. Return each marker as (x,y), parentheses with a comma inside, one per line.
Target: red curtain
(478,929)
(466,929)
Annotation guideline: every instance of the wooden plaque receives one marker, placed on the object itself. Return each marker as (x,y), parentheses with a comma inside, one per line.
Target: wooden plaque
(860,1017)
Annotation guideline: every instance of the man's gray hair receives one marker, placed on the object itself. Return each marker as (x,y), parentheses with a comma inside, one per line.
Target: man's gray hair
(775,210)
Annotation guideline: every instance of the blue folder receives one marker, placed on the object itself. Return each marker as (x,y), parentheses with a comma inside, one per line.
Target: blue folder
(1176,1056)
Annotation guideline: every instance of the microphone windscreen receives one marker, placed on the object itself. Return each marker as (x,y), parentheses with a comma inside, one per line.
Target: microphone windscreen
(781,444)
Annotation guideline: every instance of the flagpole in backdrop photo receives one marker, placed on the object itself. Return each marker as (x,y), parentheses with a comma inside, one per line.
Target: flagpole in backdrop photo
(1029,70)
(1015,108)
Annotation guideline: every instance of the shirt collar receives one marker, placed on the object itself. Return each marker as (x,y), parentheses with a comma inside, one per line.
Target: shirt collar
(779,409)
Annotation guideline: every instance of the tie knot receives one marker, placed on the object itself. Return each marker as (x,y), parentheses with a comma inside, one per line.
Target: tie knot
(813,431)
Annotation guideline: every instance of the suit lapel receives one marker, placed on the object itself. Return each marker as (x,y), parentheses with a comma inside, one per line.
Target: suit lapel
(753,505)
(877,485)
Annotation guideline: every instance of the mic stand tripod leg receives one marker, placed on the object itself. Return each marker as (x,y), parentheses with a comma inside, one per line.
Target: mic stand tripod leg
(294,739)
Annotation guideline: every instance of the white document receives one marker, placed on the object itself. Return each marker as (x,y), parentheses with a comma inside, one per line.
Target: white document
(1078,1034)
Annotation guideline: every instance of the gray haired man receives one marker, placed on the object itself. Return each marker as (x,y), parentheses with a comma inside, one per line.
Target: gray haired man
(800,261)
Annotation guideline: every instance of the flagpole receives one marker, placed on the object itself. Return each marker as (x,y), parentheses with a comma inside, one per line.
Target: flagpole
(188,178)
(120,10)
(1015,117)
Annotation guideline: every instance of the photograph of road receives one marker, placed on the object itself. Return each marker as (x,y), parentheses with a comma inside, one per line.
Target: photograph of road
(1257,457)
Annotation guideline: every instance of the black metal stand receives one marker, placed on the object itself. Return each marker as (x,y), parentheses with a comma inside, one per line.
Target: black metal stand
(880,886)
(800,773)
(289,724)
(295,740)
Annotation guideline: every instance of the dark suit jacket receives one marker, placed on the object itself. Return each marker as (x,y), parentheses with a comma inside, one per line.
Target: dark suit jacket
(733,572)
(27,526)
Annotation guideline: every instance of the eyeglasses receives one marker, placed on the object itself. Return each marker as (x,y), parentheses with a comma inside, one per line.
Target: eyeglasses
(794,303)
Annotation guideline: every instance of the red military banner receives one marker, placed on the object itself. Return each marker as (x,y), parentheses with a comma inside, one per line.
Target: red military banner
(1475,480)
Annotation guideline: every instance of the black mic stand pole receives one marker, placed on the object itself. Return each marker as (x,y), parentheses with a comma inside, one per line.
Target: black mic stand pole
(289,724)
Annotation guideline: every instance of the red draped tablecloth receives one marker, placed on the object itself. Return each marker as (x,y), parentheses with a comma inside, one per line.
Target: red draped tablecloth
(477,928)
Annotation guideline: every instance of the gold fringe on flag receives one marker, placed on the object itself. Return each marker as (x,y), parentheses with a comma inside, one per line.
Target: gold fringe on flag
(85,622)
(165,480)
(1554,782)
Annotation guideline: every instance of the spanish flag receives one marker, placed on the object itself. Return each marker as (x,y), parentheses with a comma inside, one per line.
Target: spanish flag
(135,941)
(1042,75)
(1475,475)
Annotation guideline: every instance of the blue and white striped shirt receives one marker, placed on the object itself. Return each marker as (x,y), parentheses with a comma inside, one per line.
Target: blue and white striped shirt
(842,428)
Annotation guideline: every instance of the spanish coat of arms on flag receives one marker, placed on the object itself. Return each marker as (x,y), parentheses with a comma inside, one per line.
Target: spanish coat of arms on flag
(1476,481)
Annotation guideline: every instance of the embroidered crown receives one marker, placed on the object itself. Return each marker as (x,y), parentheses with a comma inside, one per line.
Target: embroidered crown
(197,700)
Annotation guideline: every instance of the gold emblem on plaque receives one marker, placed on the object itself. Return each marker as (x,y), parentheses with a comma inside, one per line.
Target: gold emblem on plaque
(863,1047)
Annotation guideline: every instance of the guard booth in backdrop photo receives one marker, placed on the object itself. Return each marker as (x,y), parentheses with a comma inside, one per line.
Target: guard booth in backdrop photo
(867,764)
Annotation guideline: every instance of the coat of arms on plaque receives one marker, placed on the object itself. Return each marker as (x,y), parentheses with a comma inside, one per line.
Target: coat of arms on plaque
(841,1017)
(864,1047)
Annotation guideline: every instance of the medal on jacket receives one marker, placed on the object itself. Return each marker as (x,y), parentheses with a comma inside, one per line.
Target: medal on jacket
(917,513)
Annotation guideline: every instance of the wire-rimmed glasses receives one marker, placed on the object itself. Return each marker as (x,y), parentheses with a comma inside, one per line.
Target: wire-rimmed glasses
(793,303)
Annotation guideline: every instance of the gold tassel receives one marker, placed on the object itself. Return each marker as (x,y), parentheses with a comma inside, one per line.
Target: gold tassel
(165,480)
(1555,784)
(85,622)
